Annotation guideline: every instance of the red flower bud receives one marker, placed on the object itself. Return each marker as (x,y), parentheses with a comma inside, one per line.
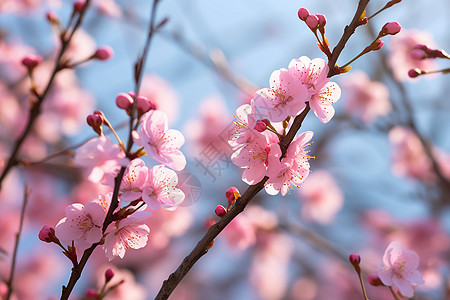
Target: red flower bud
(124,101)
(260,126)
(220,211)
(31,61)
(47,234)
(144,105)
(355,259)
(109,274)
(103,53)
(322,20)
(391,28)
(303,13)
(312,21)
(413,73)
(78,5)
(374,280)
(232,194)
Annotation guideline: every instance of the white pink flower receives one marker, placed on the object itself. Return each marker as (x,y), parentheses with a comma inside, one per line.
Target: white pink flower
(82,224)
(285,97)
(130,233)
(294,167)
(399,269)
(160,189)
(161,143)
(321,93)
(260,157)
(133,181)
(102,159)
(245,122)
(365,99)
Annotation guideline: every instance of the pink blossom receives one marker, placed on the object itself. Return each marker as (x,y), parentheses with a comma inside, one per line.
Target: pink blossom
(286,97)
(401,46)
(160,189)
(128,290)
(294,166)
(244,131)
(101,158)
(322,93)
(321,197)
(399,269)
(105,202)
(133,181)
(161,143)
(365,99)
(408,156)
(260,157)
(131,232)
(82,224)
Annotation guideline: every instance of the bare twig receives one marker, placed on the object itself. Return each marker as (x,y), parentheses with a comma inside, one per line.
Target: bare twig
(16,245)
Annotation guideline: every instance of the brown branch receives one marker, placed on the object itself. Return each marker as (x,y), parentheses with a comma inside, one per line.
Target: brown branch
(203,245)
(35,109)
(16,245)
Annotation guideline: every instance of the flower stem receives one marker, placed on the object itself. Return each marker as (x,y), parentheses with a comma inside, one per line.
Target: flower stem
(393,293)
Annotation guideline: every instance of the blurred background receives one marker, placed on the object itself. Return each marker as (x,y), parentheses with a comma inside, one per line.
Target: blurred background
(381,170)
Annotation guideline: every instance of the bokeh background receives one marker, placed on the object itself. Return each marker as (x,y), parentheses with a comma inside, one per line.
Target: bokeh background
(206,61)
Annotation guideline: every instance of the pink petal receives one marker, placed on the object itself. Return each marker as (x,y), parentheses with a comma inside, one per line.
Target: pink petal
(404,286)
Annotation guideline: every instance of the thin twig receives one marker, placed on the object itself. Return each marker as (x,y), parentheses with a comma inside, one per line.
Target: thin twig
(35,109)
(16,245)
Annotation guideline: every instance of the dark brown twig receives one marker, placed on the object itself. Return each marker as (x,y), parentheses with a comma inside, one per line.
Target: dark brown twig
(16,245)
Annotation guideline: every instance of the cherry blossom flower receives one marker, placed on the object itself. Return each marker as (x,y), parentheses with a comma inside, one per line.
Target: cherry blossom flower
(294,166)
(401,47)
(161,143)
(321,197)
(102,159)
(365,99)
(82,224)
(260,157)
(399,269)
(244,132)
(131,232)
(160,189)
(286,97)
(133,181)
(322,93)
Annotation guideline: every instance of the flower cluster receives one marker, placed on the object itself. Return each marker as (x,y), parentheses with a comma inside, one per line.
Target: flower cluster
(141,187)
(256,142)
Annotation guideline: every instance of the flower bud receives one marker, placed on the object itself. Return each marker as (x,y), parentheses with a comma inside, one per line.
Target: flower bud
(109,274)
(418,54)
(232,194)
(322,20)
(303,13)
(96,121)
(78,5)
(391,28)
(47,234)
(260,126)
(413,73)
(92,294)
(312,21)
(220,211)
(355,259)
(144,105)
(31,61)
(377,45)
(374,280)
(103,53)
(124,101)
(52,18)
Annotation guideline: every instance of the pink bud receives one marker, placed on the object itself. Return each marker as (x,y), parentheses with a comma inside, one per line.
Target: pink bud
(355,259)
(377,45)
(322,20)
(303,13)
(422,47)
(231,194)
(312,21)
(103,53)
(374,280)
(78,5)
(220,211)
(47,234)
(31,61)
(413,73)
(144,105)
(52,17)
(260,126)
(109,274)
(92,294)
(124,101)
(418,54)
(391,28)
(94,120)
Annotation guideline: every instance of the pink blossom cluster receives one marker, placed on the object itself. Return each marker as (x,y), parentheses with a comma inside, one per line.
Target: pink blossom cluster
(256,142)
(141,187)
